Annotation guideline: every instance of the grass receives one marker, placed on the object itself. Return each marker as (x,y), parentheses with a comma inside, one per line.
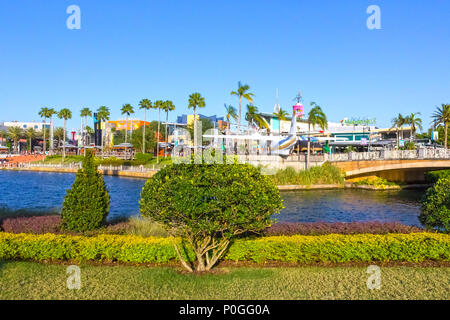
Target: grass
(325,174)
(147,161)
(145,227)
(27,280)
(376,182)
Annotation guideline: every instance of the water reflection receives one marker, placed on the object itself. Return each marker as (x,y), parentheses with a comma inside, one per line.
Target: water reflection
(46,191)
(351,205)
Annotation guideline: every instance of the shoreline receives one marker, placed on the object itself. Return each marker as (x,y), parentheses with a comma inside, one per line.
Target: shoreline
(149,174)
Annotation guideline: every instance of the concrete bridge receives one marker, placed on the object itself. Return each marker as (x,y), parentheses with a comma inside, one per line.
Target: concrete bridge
(401,166)
(393,165)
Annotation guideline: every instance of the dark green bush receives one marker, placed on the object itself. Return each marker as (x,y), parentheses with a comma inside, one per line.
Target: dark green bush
(436,206)
(86,205)
(144,157)
(434,176)
(208,205)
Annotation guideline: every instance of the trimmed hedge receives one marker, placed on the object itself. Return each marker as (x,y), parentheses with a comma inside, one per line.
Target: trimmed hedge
(414,247)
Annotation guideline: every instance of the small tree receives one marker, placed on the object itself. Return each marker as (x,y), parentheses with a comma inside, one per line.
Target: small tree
(436,206)
(209,205)
(86,205)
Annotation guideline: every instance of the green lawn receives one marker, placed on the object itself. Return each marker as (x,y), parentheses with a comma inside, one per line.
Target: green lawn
(27,280)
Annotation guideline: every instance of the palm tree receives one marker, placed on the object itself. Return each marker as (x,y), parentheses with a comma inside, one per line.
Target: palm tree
(127,109)
(89,131)
(65,114)
(231,113)
(442,116)
(168,106)
(252,116)
(315,117)
(146,105)
(84,113)
(102,115)
(280,115)
(242,92)
(15,134)
(397,123)
(45,113)
(158,105)
(30,133)
(59,134)
(414,122)
(3,135)
(196,101)
(51,113)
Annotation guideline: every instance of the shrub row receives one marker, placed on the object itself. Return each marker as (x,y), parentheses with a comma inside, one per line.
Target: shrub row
(36,225)
(325,174)
(136,226)
(414,247)
(322,228)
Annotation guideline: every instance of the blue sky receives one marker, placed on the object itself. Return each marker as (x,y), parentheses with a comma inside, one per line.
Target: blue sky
(129,50)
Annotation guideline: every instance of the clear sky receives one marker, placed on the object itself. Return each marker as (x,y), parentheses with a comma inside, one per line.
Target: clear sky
(167,49)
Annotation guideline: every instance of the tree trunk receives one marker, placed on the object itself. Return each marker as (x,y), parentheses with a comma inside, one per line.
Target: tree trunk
(309,146)
(195,129)
(143,131)
(101,137)
(45,142)
(157,139)
(126,130)
(239,118)
(51,134)
(64,142)
(167,140)
(446,134)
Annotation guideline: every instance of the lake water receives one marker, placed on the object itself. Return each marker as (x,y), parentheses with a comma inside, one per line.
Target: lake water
(45,192)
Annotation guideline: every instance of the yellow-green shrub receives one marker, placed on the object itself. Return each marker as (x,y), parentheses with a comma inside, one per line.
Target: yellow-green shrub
(414,247)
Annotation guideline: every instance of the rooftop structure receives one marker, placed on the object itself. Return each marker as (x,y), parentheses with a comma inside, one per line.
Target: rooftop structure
(25,125)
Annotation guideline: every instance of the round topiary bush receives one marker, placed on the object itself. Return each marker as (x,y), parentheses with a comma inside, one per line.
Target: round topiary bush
(86,205)
(208,205)
(436,206)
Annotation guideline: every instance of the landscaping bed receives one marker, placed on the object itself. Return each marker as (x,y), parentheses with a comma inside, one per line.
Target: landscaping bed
(414,247)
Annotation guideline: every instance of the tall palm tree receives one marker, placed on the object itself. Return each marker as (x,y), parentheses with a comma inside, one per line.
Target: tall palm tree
(102,116)
(442,116)
(242,92)
(168,106)
(127,109)
(84,113)
(45,113)
(51,113)
(30,133)
(398,122)
(231,113)
(146,105)
(65,114)
(414,122)
(252,116)
(158,105)
(280,115)
(315,117)
(196,101)
(15,134)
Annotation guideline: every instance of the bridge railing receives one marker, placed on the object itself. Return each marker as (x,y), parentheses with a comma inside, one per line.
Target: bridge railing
(391,155)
